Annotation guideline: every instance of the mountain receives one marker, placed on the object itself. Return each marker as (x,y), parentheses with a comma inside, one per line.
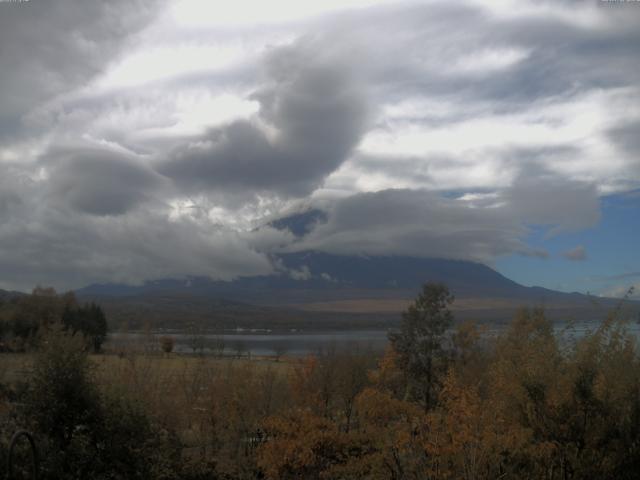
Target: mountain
(331,291)
(337,276)
(300,223)
(6,295)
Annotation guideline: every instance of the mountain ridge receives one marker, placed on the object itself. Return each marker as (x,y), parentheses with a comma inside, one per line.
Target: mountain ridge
(334,273)
(322,291)
(329,272)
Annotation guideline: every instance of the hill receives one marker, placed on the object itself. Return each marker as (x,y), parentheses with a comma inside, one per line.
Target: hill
(7,294)
(315,290)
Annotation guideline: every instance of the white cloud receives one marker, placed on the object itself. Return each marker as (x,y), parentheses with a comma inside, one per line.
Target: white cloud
(487,61)
(621,291)
(203,13)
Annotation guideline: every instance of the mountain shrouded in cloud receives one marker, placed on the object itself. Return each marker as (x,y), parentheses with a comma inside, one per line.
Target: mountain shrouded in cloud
(155,139)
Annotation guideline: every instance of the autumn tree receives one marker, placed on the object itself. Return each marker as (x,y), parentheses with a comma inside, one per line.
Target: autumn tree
(351,379)
(419,343)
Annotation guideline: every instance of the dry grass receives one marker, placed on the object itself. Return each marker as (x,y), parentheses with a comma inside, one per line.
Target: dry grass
(14,367)
(165,371)
(362,305)
(398,305)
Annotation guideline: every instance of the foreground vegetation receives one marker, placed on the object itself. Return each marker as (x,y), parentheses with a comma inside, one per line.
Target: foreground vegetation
(436,406)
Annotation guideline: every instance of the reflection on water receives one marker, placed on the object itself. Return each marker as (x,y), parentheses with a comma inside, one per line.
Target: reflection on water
(301,343)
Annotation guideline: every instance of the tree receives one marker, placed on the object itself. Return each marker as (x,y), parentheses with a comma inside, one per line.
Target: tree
(166,344)
(419,343)
(84,431)
(89,320)
(28,313)
(196,339)
(280,348)
(62,401)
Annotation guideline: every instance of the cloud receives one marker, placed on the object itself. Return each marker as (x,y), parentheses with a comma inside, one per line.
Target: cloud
(622,291)
(479,227)
(67,229)
(312,114)
(99,181)
(577,254)
(415,222)
(133,146)
(627,138)
(12,185)
(623,276)
(302,274)
(536,253)
(53,248)
(564,205)
(49,48)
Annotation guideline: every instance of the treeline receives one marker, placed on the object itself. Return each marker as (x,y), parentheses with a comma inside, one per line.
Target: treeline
(523,405)
(23,317)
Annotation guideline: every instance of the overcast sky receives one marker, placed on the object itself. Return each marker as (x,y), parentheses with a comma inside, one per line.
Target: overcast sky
(148,139)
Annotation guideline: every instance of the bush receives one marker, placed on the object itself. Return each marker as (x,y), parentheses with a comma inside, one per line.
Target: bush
(86,433)
(166,344)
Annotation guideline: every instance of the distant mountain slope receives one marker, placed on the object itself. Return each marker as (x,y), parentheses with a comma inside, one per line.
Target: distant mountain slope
(320,291)
(319,277)
(5,294)
(300,223)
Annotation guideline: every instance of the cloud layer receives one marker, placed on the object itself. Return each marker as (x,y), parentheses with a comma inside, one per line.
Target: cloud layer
(312,114)
(147,139)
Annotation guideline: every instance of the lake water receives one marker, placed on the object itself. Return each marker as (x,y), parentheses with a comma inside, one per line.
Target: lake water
(295,343)
(299,343)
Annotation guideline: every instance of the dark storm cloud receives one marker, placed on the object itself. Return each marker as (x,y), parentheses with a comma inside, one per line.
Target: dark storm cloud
(99,182)
(318,112)
(12,186)
(51,47)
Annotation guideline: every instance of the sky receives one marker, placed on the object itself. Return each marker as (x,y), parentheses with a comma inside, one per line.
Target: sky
(146,139)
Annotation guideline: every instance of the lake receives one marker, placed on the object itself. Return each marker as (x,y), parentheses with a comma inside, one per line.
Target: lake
(297,343)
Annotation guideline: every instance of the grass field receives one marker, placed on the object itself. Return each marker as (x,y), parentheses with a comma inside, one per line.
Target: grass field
(16,367)
(195,396)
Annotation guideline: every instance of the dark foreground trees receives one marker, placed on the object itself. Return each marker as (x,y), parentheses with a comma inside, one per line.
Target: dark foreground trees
(23,317)
(88,320)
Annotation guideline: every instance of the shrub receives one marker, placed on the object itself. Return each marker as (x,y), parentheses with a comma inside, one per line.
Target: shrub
(86,433)
(167,344)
